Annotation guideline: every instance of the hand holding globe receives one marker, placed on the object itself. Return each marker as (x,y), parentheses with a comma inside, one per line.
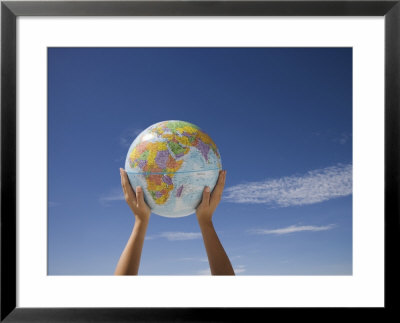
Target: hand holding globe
(204,211)
(135,200)
(156,165)
(210,201)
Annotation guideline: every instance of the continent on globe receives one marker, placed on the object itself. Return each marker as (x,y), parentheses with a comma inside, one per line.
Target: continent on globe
(173,161)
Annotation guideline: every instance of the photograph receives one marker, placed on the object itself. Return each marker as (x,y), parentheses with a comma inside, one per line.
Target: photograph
(188,161)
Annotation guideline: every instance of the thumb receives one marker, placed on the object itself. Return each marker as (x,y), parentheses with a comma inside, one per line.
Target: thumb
(206,196)
(139,196)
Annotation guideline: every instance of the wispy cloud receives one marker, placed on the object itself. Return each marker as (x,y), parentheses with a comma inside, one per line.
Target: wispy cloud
(114,195)
(176,236)
(292,229)
(120,159)
(128,136)
(313,187)
(239,269)
(205,259)
(235,257)
(205,272)
(343,138)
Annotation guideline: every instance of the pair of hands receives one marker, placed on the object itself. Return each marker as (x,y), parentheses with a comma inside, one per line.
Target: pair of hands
(142,211)
(129,261)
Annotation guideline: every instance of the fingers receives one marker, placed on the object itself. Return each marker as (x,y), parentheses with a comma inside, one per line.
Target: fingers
(206,196)
(139,197)
(219,187)
(129,194)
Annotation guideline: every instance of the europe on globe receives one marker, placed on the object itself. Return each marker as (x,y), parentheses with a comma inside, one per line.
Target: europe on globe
(173,161)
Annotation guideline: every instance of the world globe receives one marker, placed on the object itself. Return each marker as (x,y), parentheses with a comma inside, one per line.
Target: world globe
(173,161)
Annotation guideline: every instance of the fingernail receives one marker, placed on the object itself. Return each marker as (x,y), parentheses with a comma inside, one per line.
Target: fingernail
(138,189)
(207,189)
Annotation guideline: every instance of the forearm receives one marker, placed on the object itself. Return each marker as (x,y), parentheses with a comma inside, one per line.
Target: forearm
(129,261)
(217,257)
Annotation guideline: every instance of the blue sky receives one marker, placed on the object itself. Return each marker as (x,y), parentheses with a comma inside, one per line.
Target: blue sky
(282,121)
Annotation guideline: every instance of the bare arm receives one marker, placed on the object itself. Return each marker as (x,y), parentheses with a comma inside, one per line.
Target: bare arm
(217,257)
(129,261)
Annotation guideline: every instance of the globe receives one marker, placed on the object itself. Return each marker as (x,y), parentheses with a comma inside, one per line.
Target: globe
(173,161)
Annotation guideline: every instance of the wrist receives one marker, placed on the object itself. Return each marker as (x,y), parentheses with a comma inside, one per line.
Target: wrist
(140,221)
(205,222)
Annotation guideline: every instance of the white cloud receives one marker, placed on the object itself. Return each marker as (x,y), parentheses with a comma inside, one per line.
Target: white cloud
(176,236)
(204,272)
(239,269)
(292,229)
(313,187)
(114,195)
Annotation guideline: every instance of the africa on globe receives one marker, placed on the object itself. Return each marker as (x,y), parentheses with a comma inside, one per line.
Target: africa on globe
(173,161)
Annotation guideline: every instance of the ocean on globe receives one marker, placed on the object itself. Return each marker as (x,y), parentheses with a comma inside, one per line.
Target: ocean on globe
(173,161)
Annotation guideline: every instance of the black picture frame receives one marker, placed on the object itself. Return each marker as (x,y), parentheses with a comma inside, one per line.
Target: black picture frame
(10,10)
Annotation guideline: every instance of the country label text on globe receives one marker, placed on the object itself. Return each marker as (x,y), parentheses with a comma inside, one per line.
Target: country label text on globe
(173,161)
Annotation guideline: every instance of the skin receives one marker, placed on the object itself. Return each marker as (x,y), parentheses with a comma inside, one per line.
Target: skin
(129,261)
(217,257)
